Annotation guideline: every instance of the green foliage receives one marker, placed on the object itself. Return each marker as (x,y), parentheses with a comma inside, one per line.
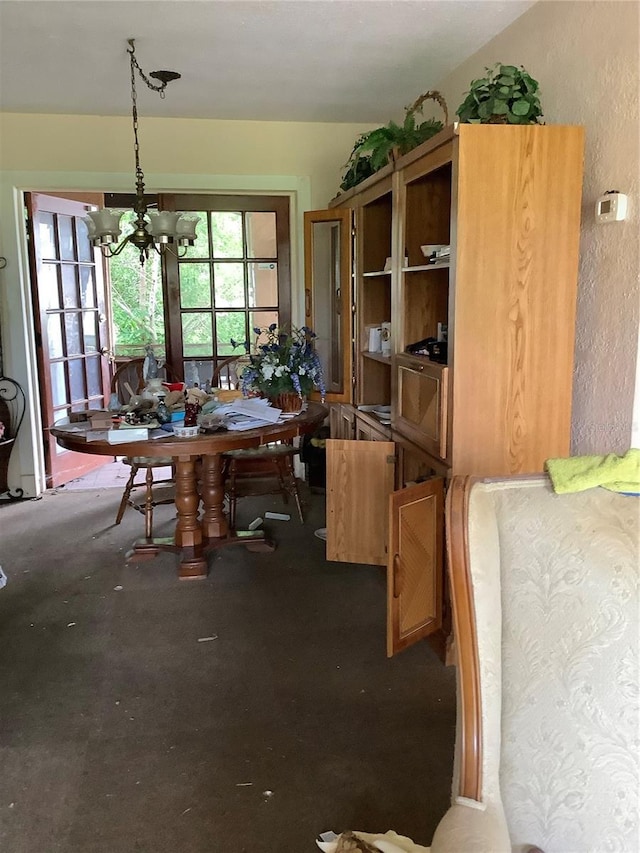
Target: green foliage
(136,302)
(375,149)
(507,95)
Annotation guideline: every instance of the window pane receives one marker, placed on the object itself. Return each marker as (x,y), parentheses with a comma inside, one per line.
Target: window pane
(198,371)
(72,324)
(54,335)
(65,236)
(197,334)
(69,286)
(261,320)
(90,329)
(137,302)
(230,324)
(201,248)
(46,234)
(195,286)
(229,285)
(226,230)
(76,380)
(48,286)
(94,376)
(87,287)
(85,249)
(261,235)
(58,388)
(263,284)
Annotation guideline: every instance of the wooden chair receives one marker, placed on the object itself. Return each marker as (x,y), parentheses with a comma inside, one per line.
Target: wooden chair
(129,376)
(264,470)
(228,372)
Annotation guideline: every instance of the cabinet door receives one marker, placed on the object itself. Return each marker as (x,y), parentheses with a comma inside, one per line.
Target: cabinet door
(328,296)
(422,388)
(360,478)
(415,565)
(341,421)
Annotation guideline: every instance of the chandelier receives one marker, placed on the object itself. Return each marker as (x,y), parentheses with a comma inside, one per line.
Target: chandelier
(160,230)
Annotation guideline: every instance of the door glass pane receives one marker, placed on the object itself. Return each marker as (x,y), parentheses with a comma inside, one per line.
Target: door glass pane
(260,320)
(94,376)
(201,248)
(69,286)
(87,287)
(85,249)
(229,285)
(90,330)
(226,230)
(198,371)
(262,284)
(54,335)
(72,324)
(327,304)
(45,224)
(65,236)
(195,286)
(230,324)
(58,388)
(49,286)
(261,235)
(197,334)
(76,380)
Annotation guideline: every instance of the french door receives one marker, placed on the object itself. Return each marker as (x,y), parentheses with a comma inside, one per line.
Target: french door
(236,278)
(71,329)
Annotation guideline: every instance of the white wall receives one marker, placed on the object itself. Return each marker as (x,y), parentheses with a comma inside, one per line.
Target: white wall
(585,56)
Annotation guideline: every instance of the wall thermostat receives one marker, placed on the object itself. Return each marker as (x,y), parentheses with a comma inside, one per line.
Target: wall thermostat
(611,207)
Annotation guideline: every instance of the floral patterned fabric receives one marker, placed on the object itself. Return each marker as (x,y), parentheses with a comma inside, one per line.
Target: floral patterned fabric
(559,670)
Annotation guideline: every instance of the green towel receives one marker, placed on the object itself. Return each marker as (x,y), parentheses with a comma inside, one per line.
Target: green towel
(616,473)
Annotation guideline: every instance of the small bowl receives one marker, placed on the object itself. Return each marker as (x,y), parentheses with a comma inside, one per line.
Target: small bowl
(431,249)
(185,431)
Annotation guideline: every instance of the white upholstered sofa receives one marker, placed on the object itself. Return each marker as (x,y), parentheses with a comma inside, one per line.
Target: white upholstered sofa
(545,599)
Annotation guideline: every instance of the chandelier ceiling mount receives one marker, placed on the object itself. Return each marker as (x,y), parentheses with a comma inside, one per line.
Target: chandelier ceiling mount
(160,230)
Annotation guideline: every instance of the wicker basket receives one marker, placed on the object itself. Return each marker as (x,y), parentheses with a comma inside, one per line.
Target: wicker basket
(288,402)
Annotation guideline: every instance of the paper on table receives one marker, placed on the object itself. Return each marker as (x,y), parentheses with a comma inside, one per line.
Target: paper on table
(256,408)
(240,422)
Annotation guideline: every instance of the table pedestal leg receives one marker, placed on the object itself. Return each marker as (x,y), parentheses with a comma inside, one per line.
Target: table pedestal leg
(215,527)
(188,540)
(214,522)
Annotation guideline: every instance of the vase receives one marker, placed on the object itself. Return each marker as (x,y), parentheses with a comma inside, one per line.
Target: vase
(288,401)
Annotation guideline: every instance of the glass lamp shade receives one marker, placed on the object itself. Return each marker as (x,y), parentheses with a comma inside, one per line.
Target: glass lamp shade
(106,223)
(162,224)
(91,227)
(186,228)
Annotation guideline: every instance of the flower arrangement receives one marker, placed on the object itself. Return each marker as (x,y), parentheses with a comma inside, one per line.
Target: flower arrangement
(283,364)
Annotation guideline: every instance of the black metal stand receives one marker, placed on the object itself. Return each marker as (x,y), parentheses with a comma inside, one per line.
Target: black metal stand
(12,407)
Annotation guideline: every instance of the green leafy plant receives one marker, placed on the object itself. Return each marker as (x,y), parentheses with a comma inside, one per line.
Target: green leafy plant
(507,95)
(375,149)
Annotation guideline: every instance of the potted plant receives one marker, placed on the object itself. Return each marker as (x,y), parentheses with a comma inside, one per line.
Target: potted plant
(282,366)
(375,149)
(507,95)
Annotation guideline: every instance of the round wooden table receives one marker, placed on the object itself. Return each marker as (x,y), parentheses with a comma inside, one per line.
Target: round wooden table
(195,535)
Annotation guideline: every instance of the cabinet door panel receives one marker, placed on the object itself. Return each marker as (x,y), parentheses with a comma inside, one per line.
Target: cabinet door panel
(415,565)
(360,478)
(328,296)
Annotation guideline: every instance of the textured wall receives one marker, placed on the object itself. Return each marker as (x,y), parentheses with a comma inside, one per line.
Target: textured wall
(586,57)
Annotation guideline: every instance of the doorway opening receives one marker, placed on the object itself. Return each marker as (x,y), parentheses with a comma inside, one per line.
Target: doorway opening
(92,313)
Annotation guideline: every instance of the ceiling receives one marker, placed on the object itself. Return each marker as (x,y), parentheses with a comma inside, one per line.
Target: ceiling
(278,60)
